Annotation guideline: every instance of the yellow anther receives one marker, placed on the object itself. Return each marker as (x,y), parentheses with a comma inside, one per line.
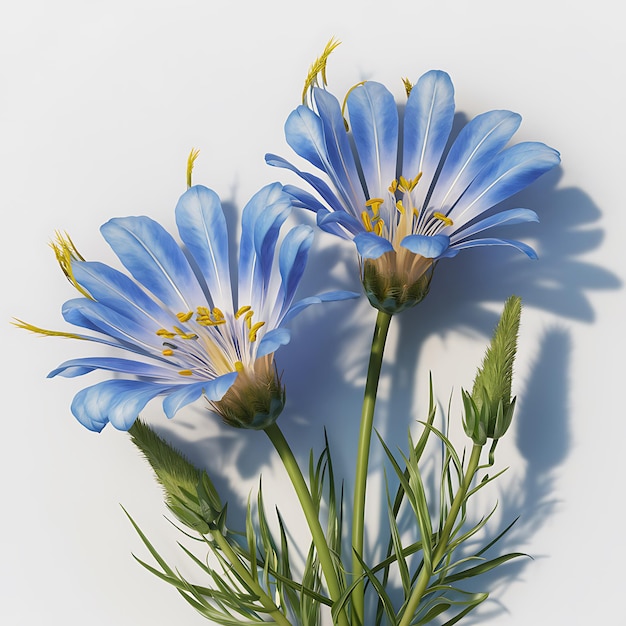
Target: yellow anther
(415,181)
(378,228)
(408,86)
(217,314)
(242,310)
(185,373)
(400,206)
(404,184)
(444,218)
(203,311)
(183,335)
(238,366)
(66,253)
(168,352)
(248,319)
(367,222)
(374,204)
(254,330)
(184,317)
(42,331)
(163,332)
(318,67)
(393,186)
(416,213)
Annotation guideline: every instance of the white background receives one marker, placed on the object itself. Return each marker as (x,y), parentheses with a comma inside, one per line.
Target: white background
(100,103)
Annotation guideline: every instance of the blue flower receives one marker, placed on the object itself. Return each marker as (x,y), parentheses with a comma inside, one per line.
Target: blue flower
(185,333)
(405,208)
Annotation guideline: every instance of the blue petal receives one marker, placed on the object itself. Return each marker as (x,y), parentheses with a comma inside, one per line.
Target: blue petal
(374,121)
(131,336)
(428,121)
(511,171)
(504,218)
(476,145)
(351,224)
(317,183)
(115,401)
(119,293)
(371,246)
(202,227)
(329,296)
(426,246)
(152,256)
(213,390)
(304,133)
(475,243)
(342,167)
(254,231)
(272,340)
(78,367)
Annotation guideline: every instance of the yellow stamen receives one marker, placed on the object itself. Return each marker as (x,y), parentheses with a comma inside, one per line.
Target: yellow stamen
(191,159)
(393,186)
(238,366)
(42,331)
(378,227)
(163,332)
(183,335)
(186,373)
(345,103)
(367,222)
(415,181)
(404,184)
(408,86)
(400,206)
(248,319)
(374,204)
(254,330)
(444,218)
(217,314)
(168,352)
(184,317)
(242,310)
(318,67)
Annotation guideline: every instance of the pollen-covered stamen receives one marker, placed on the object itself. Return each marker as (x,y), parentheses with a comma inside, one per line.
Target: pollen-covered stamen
(185,373)
(444,218)
(254,330)
(208,317)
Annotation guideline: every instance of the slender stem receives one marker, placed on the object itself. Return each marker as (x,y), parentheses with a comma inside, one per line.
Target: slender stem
(362,461)
(442,545)
(238,566)
(311,513)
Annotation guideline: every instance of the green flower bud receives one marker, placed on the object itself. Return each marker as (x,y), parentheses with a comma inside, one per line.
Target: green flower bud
(489,409)
(256,398)
(396,280)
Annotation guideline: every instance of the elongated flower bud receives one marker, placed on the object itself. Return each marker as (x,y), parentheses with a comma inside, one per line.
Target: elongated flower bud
(489,409)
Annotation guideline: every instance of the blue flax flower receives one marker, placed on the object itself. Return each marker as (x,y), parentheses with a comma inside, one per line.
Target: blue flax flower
(186,335)
(407,207)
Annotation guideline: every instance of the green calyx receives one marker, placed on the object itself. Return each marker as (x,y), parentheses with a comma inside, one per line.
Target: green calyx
(489,408)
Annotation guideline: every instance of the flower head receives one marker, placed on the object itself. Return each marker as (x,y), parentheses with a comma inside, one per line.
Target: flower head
(176,316)
(404,200)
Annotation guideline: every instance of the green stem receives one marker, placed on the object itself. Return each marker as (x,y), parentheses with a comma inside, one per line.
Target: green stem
(311,514)
(272,610)
(365,436)
(442,545)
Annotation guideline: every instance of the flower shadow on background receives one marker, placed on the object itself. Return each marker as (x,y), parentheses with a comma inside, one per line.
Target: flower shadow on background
(461,299)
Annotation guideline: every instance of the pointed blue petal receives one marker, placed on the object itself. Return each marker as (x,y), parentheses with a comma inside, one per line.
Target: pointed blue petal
(152,256)
(511,171)
(119,293)
(374,121)
(476,145)
(186,394)
(78,367)
(317,183)
(292,259)
(371,246)
(202,227)
(426,246)
(428,121)
(504,218)
(341,167)
(329,296)
(115,401)
(272,340)
(475,243)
